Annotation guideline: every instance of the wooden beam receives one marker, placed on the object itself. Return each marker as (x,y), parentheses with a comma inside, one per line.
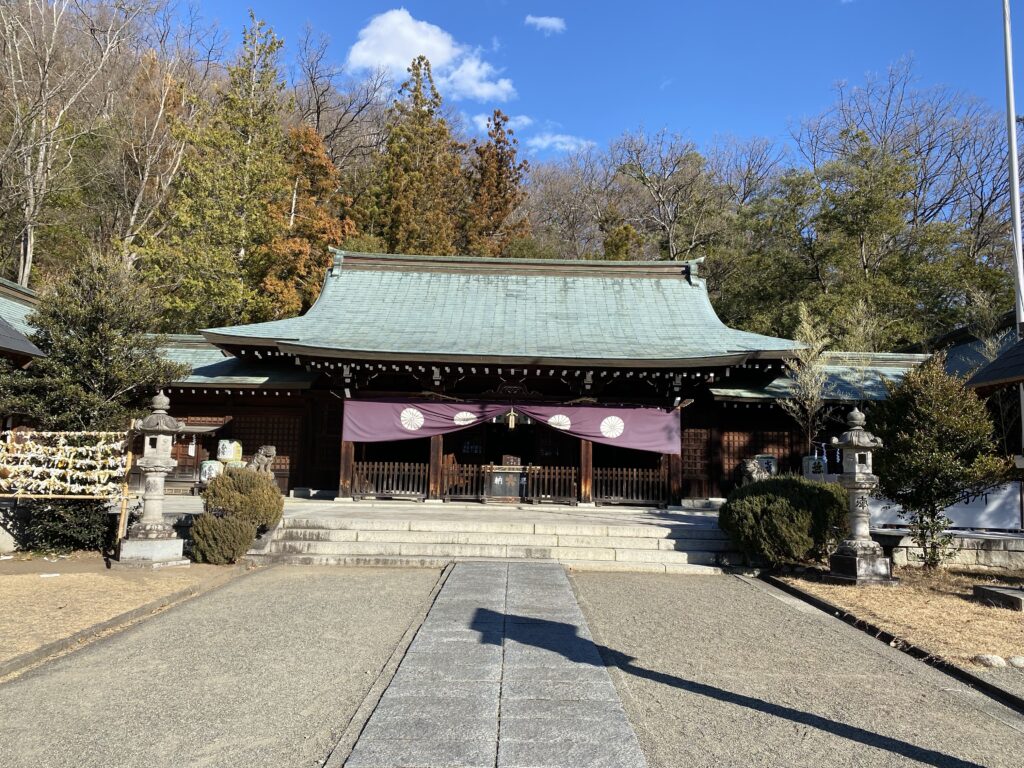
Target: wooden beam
(348,465)
(436,462)
(586,471)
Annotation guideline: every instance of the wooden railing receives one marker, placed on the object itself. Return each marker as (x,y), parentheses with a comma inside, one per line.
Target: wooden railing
(629,485)
(390,479)
(462,481)
(554,484)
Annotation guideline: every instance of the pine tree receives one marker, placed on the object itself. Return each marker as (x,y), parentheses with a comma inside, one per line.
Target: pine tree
(223,213)
(421,189)
(495,180)
(102,363)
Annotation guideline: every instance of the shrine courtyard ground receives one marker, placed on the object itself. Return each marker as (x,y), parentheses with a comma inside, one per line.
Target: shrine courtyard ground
(507,664)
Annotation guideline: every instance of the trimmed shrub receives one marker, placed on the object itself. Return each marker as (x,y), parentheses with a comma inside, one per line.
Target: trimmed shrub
(247,494)
(784,519)
(220,540)
(62,525)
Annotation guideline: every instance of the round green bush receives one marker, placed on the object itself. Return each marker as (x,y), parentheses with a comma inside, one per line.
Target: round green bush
(248,494)
(220,540)
(784,519)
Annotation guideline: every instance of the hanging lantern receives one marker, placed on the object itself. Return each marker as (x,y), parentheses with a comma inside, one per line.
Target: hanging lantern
(512,419)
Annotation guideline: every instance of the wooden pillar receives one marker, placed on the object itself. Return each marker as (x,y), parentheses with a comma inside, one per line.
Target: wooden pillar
(436,463)
(586,472)
(348,465)
(716,467)
(675,478)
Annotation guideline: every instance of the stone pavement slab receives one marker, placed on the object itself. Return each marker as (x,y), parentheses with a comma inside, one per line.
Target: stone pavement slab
(518,683)
(724,671)
(266,671)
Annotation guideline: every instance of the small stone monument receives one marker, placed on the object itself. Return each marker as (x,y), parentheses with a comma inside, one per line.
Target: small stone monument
(859,559)
(151,542)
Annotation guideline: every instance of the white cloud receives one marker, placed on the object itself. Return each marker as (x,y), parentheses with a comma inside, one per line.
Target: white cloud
(391,40)
(515,122)
(560,142)
(549,25)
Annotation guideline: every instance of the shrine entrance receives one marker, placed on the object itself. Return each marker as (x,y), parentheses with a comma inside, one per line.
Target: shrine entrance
(504,460)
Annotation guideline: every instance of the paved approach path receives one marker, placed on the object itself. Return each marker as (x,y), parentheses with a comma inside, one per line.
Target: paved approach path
(503,672)
(266,671)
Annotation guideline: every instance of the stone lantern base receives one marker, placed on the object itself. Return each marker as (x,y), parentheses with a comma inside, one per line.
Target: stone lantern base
(860,566)
(149,546)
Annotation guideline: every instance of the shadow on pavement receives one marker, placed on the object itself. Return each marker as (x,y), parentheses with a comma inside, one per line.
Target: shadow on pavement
(563,639)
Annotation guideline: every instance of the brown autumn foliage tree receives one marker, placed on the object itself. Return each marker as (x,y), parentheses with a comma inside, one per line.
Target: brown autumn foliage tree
(308,221)
(495,180)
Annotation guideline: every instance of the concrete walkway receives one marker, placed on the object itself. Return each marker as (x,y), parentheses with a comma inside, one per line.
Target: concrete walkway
(503,673)
(266,671)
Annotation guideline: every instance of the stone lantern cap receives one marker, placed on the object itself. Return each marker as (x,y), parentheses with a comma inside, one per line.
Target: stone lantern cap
(159,422)
(856,436)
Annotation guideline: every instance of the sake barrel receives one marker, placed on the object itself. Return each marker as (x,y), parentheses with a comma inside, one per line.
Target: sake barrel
(209,470)
(235,464)
(229,450)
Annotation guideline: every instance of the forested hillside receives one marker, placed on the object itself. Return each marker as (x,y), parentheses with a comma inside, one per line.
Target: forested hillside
(220,169)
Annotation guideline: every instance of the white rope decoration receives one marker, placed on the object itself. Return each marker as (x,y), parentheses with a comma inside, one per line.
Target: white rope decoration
(62,463)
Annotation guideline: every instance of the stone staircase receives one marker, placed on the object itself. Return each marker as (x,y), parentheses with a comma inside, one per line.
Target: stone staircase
(427,542)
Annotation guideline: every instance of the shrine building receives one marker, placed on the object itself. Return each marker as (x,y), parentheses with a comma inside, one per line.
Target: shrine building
(499,379)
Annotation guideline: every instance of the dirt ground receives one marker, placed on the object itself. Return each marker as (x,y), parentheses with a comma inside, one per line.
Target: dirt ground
(48,598)
(933,611)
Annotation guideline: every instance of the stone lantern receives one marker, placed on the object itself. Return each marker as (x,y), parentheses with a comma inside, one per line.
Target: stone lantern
(859,559)
(151,542)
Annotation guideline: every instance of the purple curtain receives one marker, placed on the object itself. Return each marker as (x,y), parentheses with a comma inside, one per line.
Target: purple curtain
(375,421)
(642,429)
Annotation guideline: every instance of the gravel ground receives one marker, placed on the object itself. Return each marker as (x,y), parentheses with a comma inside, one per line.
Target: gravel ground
(49,599)
(266,671)
(730,672)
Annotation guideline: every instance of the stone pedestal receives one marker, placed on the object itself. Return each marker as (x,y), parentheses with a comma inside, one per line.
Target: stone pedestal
(860,566)
(150,553)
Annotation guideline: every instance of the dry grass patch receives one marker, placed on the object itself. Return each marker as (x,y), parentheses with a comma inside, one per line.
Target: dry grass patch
(39,607)
(933,611)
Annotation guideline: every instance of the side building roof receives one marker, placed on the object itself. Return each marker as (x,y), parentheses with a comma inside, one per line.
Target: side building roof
(509,311)
(851,377)
(211,368)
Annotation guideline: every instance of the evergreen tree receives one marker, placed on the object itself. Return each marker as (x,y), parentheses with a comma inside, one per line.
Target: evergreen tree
(937,449)
(495,181)
(421,190)
(102,364)
(223,213)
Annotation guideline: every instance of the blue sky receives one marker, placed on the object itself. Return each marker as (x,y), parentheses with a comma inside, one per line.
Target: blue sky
(585,71)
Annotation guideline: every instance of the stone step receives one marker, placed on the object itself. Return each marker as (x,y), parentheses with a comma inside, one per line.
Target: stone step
(459,550)
(388,561)
(506,539)
(709,531)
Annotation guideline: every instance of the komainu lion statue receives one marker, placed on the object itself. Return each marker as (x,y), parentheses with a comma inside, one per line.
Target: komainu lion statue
(262,459)
(753,471)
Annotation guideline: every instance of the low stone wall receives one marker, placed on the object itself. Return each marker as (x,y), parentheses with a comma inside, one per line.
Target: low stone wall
(969,552)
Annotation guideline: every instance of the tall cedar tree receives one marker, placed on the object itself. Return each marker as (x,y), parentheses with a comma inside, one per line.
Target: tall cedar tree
(421,189)
(102,364)
(208,266)
(495,179)
(306,223)
(937,449)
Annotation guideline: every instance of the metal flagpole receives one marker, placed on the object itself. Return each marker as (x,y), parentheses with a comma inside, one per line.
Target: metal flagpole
(1011,131)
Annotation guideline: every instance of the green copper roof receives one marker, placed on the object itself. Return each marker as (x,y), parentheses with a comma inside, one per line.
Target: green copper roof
(210,368)
(852,377)
(504,310)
